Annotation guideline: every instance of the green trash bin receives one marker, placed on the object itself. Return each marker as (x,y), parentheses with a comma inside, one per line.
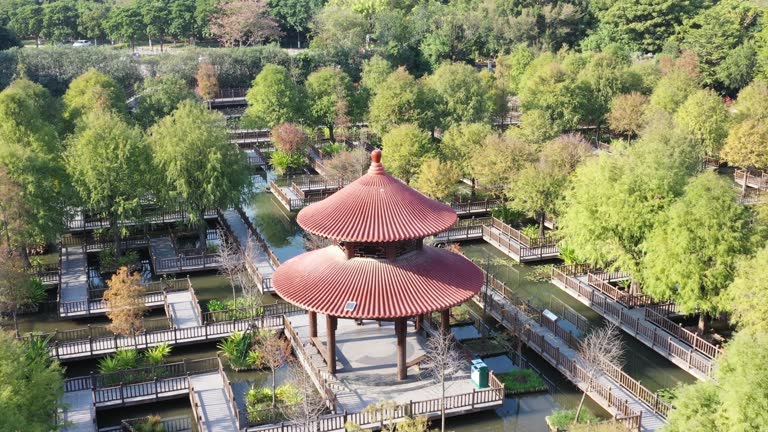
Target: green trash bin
(479,373)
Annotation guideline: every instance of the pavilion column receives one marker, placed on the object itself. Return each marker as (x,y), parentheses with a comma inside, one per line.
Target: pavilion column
(312,324)
(330,328)
(445,321)
(419,320)
(400,330)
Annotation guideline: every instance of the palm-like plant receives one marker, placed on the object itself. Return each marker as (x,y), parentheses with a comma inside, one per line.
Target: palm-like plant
(37,349)
(157,355)
(236,348)
(109,365)
(127,358)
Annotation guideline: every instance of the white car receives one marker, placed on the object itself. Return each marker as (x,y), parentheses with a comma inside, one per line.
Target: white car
(82,43)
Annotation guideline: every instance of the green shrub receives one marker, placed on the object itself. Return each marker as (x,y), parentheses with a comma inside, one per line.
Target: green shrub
(522,381)
(282,162)
(507,215)
(216,305)
(151,424)
(532,231)
(157,355)
(563,419)
(108,261)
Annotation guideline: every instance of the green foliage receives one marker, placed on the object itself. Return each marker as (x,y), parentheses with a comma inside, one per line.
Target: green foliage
(615,200)
(238,348)
(707,219)
(109,163)
(30,154)
(507,214)
(704,118)
(122,359)
(32,388)
(198,171)
(109,262)
(531,231)
(8,39)
(273,98)
(152,423)
(404,148)
(258,402)
(436,179)
(501,157)
(156,355)
(626,115)
(401,99)
(376,70)
(462,95)
(282,162)
(93,91)
(563,419)
(745,145)
(752,102)
(158,97)
(510,68)
(461,141)
(747,297)
(521,381)
(672,91)
(329,93)
(717,35)
(733,400)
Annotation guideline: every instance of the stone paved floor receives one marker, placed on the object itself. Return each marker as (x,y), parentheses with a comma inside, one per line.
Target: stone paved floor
(367,364)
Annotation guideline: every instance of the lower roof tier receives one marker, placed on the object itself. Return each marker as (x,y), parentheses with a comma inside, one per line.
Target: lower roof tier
(423,281)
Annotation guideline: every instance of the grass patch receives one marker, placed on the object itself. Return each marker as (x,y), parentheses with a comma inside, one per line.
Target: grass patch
(520,381)
(563,419)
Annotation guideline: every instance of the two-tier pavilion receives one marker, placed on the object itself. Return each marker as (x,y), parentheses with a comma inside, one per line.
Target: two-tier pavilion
(378,266)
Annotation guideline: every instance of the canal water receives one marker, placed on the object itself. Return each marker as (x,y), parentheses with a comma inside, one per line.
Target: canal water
(279,229)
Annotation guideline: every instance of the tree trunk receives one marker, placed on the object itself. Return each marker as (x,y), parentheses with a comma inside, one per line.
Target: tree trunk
(298,40)
(15,321)
(116,236)
(442,405)
(473,189)
(578,410)
(331,136)
(202,229)
(634,287)
(150,43)
(274,386)
(161,44)
(24,256)
(37,41)
(744,186)
(133,45)
(702,327)
(542,218)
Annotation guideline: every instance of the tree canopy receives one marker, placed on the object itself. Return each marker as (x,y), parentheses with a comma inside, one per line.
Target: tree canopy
(273,98)
(199,171)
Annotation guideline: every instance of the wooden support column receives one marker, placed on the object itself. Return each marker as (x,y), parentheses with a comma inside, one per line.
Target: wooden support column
(400,330)
(312,324)
(419,320)
(445,321)
(330,328)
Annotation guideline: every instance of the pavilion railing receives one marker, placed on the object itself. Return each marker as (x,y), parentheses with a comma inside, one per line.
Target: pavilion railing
(477,399)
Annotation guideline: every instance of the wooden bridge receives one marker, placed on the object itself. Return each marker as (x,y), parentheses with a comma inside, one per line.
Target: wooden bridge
(260,261)
(200,380)
(83,222)
(474,208)
(153,297)
(226,98)
(752,179)
(512,242)
(304,190)
(97,341)
(639,316)
(633,404)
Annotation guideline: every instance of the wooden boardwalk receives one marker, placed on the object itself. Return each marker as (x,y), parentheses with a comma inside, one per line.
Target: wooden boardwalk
(694,358)
(74,276)
(503,237)
(183,309)
(79,412)
(211,403)
(260,261)
(607,392)
(166,259)
(81,223)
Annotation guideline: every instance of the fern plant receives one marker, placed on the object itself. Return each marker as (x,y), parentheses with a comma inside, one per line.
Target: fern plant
(157,355)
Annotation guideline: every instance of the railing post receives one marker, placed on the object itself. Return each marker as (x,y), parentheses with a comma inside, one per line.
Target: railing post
(473,398)
(156,395)
(122,394)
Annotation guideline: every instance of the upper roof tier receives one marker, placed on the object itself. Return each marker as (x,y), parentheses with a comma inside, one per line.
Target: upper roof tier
(376,208)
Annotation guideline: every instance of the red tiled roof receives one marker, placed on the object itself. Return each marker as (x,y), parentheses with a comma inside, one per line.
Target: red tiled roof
(422,281)
(376,208)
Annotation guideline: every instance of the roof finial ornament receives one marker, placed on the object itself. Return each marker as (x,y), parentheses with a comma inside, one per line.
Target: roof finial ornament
(376,166)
